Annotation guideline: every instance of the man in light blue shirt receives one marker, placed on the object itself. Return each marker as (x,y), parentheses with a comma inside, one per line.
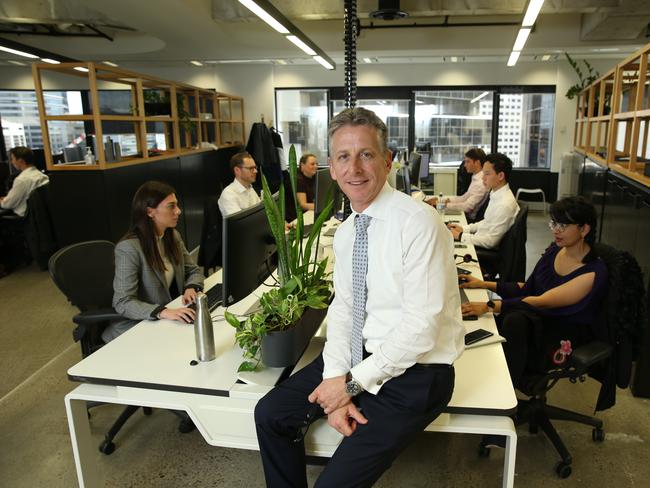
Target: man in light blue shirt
(387,368)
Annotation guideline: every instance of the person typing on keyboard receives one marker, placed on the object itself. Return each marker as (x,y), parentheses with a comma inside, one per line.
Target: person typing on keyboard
(152,265)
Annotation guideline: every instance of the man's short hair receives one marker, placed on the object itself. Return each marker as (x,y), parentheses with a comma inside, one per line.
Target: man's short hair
(238,159)
(305,157)
(360,116)
(476,154)
(24,153)
(501,163)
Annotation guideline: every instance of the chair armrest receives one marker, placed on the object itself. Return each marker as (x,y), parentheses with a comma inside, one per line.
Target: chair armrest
(589,354)
(94,316)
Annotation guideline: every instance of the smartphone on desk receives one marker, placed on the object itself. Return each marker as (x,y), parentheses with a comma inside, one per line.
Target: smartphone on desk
(462,271)
(476,335)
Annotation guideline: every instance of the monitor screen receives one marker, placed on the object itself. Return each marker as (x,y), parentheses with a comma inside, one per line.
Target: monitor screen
(324,183)
(424,165)
(414,168)
(403,180)
(248,252)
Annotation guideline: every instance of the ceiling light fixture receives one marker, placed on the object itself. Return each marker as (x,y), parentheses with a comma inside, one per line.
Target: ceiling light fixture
(81,68)
(108,63)
(273,17)
(454,59)
(532,11)
(546,57)
(281,61)
(367,60)
(196,63)
(324,63)
(476,99)
(19,53)
(522,36)
(50,61)
(17,63)
(514,56)
(264,15)
(301,44)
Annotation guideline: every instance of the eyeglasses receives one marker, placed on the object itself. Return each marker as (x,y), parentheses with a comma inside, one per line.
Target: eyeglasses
(557,226)
(249,168)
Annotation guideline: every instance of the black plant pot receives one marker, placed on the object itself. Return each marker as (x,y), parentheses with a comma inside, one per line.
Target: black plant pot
(284,348)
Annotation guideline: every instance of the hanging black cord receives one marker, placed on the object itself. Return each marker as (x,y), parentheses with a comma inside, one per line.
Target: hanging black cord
(351,28)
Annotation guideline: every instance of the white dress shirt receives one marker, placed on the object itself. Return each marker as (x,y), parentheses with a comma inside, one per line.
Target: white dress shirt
(470,201)
(25,183)
(499,217)
(236,197)
(413,305)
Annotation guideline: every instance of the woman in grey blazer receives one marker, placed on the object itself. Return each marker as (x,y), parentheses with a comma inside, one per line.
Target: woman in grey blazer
(152,265)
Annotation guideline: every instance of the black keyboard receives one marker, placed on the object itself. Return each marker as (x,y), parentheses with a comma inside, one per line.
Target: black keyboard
(214,295)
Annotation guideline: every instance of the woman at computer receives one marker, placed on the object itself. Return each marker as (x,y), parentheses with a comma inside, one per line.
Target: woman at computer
(306,185)
(547,317)
(152,265)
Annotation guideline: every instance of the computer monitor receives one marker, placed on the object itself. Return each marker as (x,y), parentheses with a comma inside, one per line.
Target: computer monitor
(424,165)
(403,180)
(248,252)
(325,186)
(414,168)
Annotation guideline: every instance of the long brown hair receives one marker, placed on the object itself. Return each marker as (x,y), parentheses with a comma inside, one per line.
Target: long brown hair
(149,195)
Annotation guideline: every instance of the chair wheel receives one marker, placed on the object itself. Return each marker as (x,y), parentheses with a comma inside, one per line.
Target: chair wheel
(107,447)
(147,410)
(563,469)
(483,451)
(598,435)
(186,425)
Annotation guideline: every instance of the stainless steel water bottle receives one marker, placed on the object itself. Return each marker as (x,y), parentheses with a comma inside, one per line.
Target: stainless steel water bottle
(203,333)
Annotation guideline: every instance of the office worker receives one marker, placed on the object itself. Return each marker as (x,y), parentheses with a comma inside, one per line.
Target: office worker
(306,184)
(502,208)
(394,327)
(560,299)
(470,201)
(152,265)
(30,178)
(240,194)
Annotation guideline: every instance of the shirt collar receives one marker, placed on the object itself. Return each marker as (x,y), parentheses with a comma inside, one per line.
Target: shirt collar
(239,188)
(478,175)
(500,192)
(380,206)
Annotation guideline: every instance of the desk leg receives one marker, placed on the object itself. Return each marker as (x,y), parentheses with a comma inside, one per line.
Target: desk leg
(81,443)
(509,461)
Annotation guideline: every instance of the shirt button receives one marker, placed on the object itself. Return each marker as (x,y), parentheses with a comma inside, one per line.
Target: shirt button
(380,382)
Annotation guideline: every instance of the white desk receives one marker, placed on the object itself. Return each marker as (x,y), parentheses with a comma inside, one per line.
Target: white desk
(149,365)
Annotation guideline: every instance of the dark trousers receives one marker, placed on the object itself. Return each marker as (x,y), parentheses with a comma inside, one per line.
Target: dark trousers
(403,407)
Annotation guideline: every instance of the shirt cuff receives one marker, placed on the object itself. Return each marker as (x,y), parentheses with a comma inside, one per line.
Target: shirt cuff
(196,288)
(369,376)
(155,312)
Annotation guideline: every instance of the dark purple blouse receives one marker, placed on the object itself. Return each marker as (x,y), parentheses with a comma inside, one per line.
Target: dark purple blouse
(544,278)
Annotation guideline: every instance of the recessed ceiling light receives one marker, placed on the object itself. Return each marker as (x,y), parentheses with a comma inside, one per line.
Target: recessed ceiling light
(606,49)
(534,6)
(298,42)
(18,63)
(546,57)
(454,59)
(514,56)
(81,68)
(323,62)
(19,53)
(521,39)
(367,60)
(50,61)
(196,63)
(108,63)
(264,15)
(280,61)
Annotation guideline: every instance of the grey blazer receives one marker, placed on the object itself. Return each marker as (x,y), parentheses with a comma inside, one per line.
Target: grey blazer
(138,289)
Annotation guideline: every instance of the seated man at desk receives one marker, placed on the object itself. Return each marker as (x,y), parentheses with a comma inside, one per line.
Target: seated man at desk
(30,178)
(502,208)
(394,327)
(469,202)
(240,194)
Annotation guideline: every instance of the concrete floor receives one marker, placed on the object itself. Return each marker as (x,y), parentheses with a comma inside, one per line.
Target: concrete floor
(36,349)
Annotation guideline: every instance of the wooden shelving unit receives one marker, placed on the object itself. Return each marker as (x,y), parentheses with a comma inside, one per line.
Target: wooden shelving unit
(182,115)
(613,118)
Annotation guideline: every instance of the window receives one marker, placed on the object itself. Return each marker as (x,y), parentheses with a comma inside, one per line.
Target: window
(302,118)
(453,121)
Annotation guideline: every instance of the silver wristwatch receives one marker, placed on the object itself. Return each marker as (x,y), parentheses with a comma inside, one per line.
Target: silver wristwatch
(352,387)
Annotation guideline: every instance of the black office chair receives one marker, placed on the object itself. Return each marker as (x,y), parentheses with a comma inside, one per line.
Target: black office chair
(463,179)
(415,160)
(508,261)
(210,254)
(40,232)
(608,358)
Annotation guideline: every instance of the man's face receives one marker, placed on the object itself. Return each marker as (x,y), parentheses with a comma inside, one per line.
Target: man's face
(471,164)
(358,164)
(492,179)
(13,161)
(247,171)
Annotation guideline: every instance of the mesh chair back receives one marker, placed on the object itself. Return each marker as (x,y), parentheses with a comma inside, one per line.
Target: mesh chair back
(84,273)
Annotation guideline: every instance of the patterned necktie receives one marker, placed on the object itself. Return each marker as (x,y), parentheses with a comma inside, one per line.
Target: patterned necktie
(359,291)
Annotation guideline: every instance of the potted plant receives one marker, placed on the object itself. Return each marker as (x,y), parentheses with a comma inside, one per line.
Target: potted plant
(291,312)
(585,80)
(158,103)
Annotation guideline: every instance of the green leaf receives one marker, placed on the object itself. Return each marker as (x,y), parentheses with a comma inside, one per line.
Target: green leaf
(247,366)
(232,320)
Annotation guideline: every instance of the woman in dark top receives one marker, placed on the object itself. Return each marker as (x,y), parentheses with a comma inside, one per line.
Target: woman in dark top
(306,181)
(549,315)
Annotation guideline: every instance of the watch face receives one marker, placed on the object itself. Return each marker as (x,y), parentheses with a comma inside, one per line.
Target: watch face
(352,388)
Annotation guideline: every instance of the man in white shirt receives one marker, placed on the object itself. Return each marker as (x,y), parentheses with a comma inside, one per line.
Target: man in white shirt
(240,194)
(30,178)
(469,202)
(502,208)
(393,329)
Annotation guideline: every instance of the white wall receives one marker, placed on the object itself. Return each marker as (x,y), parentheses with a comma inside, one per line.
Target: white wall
(256,83)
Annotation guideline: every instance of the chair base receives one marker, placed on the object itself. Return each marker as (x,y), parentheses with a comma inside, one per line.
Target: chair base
(538,414)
